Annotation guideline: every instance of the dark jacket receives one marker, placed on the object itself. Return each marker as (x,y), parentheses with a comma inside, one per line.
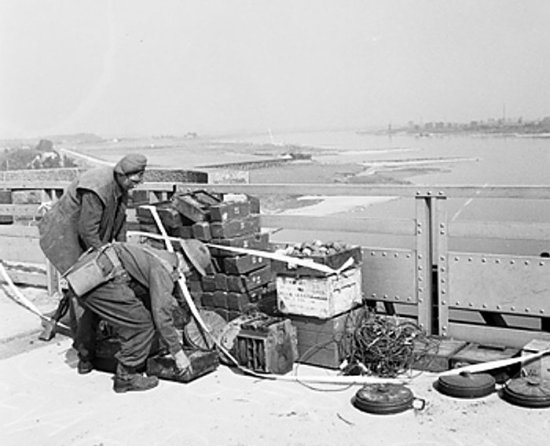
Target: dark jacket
(156,271)
(62,237)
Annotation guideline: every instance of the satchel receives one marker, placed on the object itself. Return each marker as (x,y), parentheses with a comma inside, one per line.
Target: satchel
(93,268)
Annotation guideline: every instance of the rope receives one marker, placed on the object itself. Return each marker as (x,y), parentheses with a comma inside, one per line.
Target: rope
(350,380)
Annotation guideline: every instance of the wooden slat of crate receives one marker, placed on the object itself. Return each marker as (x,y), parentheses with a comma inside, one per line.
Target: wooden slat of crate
(243,264)
(437,357)
(318,340)
(321,297)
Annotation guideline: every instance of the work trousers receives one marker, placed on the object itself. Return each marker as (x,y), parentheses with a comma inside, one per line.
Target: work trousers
(116,303)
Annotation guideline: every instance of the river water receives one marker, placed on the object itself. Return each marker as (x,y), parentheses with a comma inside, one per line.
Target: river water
(494,160)
(475,160)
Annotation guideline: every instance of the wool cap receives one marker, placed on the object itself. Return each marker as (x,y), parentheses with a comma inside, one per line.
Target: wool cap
(131,163)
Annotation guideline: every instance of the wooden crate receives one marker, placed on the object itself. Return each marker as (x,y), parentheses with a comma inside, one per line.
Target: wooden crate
(250,281)
(321,297)
(333,261)
(243,264)
(475,353)
(436,353)
(236,227)
(229,210)
(324,342)
(256,240)
(541,367)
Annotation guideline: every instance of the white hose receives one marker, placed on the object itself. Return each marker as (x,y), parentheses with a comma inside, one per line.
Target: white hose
(341,380)
(266,254)
(18,297)
(491,365)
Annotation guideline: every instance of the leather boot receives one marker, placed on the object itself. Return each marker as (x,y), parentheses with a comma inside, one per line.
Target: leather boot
(128,380)
(84,366)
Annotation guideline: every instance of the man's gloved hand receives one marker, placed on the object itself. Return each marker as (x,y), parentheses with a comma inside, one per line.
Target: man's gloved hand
(182,362)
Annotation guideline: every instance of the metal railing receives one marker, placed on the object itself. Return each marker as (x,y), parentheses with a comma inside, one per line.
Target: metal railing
(475,296)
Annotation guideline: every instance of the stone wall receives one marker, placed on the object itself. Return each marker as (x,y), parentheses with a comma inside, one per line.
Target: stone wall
(69,174)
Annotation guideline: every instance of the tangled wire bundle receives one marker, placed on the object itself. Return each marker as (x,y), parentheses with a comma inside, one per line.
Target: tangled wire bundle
(385,345)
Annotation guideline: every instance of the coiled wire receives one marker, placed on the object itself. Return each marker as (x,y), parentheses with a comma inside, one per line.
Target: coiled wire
(384,346)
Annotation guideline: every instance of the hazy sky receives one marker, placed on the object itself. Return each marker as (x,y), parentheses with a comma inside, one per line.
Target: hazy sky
(174,66)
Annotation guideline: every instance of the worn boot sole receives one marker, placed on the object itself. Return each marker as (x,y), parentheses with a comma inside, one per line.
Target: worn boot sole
(123,387)
(84,367)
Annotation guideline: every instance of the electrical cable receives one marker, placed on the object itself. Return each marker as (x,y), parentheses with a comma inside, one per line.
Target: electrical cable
(385,346)
(194,311)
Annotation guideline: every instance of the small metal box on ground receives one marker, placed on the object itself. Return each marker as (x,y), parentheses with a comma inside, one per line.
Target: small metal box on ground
(202,362)
(266,344)
(540,367)
(477,353)
(434,354)
(325,343)
(321,297)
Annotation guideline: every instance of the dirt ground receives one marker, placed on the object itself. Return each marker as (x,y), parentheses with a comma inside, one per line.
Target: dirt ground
(43,401)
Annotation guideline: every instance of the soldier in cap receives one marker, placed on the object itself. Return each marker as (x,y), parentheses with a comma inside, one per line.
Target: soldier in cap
(90,214)
(139,302)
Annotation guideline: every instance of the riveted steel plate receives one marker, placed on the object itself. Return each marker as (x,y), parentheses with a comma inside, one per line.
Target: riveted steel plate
(501,283)
(389,275)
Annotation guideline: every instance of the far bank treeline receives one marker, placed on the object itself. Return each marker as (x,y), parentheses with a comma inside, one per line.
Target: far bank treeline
(42,156)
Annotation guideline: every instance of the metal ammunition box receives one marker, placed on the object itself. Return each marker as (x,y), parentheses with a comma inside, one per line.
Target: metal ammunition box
(245,283)
(209,283)
(269,289)
(149,227)
(266,344)
(194,286)
(190,208)
(183,231)
(201,231)
(257,240)
(220,281)
(236,227)
(207,299)
(202,363)
(220,299)
(229,210)
(243,264)
(170,217)
(237,302)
